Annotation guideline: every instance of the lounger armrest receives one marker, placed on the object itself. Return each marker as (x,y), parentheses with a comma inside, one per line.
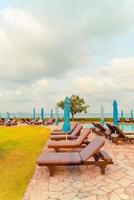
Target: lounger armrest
(130,136)
(57,130)
(105,156)
(73,137)
(57,133)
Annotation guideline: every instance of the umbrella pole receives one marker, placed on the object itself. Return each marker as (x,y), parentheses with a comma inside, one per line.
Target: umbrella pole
(66,135)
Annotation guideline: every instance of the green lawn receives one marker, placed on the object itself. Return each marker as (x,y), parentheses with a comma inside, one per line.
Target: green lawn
(19,149)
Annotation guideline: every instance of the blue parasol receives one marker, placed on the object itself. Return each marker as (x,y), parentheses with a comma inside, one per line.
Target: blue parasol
(132,115)
(66,125)
(57,117)
(42,114)
(102,116)
(122,115)
(34,114)
(51,114)
(115,112)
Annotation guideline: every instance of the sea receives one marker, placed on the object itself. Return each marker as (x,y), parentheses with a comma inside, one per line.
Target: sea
(47,115)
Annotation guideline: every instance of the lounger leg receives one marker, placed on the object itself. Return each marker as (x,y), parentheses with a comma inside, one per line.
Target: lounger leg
(117,141)
(56,149)
(51,170)
(103,167)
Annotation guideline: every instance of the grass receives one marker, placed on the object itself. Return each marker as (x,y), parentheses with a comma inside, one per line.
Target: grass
(19,149)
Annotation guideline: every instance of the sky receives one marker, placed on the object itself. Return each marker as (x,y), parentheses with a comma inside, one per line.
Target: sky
(50,49)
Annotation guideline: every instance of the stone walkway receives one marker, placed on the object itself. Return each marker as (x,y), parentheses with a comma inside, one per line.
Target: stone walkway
(86,182)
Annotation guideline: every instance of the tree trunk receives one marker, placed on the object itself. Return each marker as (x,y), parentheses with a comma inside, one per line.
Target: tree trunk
(72,116)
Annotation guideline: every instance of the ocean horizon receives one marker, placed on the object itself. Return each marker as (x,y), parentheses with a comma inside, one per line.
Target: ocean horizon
(47,115)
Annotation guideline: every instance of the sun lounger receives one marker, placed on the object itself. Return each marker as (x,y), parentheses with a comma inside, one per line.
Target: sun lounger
(127,120)
(103,130)
(110,132)
(8,122)
(76,131)
(49,122)
(121,120)
(76,143)
(14,122)
(111,127)
(121,136)
(92,150)
(100,130)
(96,128)
(2,122)
(60,131)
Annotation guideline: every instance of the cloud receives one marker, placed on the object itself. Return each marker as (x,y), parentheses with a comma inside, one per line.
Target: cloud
(35,46)
(91,85)
(47,44)
(115,80)
(31,50)
(121,72)
(86,84)
(26,93)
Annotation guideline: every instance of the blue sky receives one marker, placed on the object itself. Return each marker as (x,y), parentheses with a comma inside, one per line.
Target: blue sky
(54,48)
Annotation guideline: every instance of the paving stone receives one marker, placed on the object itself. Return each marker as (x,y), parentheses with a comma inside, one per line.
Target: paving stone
(88,188)
(55,188)
(99,178)
(53,180)
(68,196)
(90,198)
(109,180)
(69,189)
(75,198)
(54,194)
(98,192)
(101,183)
(124,182)
(129,190)
(131,172)
(105,189)
(66,184)
(86,182)
(50,199)
(78,184)
(119,190)
(124,196)
(69,179)
(102,198)
(114,196)
(83,195)
(113,186)
(92,182)
(118,175)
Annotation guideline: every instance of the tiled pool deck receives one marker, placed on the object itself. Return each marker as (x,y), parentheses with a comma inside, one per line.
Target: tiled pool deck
(86,182)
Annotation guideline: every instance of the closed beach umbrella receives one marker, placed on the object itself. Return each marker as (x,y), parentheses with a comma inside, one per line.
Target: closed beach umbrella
(19,115)
(102,116)
(115,112)
(7,116)
(34,114)
(122,115)
(132,116)
(66,125)
(51,114)
(57,117)
(42,114)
